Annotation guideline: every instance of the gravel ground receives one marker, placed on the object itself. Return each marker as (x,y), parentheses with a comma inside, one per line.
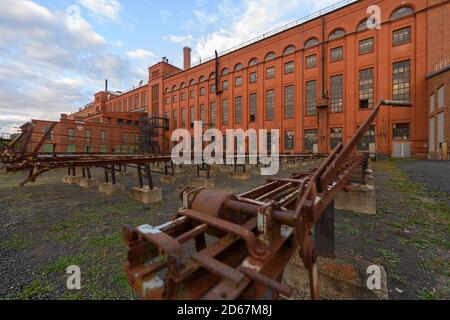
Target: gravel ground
(47,226)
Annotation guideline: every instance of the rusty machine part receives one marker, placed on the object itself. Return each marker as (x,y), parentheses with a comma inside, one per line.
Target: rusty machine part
(241,244)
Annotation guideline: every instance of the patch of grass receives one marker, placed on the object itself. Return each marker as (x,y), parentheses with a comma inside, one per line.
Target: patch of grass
(17,243)
(72,296)
(62,264)
(105,242)
(426,294)
(37,288)
(389,257)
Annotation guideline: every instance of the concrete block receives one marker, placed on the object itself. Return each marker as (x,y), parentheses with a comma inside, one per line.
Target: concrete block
(71,180)
(110,189)
(240,175)
(88,183)
(342,279)
(361,199)
(201,183)
(168,179)
(146,195)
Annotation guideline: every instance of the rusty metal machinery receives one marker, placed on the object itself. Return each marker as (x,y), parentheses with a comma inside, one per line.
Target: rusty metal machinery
(225,246)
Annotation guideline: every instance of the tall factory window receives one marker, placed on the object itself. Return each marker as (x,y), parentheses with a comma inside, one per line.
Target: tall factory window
(175,119)
(125,105)
(366,88)
(401,131)
(401,36)
(337,96)
(270,105)
(336,54)
(202,91)
(402,12)
(192,94)
(311,98)
(289,102)
(183,118)
(335,137)
(401,80)
(183,96)
(213,114)
(136,102)
(367,139)
(311,61)
(253,107)
(202,114)
(270,73)
(238,82)
(225,85)
(225,112)
(192,116)
(289,67)
(175,98)
(87,135)
(238,110)
(432,102)
(130,103)
(102,135)
(144,100)
(253,77)
(310,139)
(71,134)
(441,95)
(289,140)
(212,88)
(366,46)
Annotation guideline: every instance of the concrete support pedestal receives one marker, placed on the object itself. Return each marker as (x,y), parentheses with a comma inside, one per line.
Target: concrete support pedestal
(110,189)
(168,179)
(342,279)
(361,199)
(202,183)
(71,180)
(240,175)
(146,195)
(88,183)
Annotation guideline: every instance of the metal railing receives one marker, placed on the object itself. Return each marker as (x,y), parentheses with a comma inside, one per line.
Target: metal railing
(290,25)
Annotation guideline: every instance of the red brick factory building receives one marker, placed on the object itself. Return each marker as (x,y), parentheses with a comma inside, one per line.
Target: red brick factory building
(316,80)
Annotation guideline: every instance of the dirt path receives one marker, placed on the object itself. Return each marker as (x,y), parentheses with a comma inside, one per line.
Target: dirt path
(48,226)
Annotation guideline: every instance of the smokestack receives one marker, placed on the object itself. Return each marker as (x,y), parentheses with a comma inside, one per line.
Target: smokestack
(106,85)
(187,57)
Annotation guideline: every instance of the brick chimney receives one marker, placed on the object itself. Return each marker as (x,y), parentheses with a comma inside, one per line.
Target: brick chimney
(187,57)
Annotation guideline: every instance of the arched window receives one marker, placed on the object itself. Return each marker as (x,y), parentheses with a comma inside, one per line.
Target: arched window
(202,78)
(253,62)
(183,85)
(336,34)
(362,25)
(174,87)
(270,56)
(225,71)
(288,50)
(192,82)
(167,90)
(311,43)
(238,67)
(212,75)
(402,12)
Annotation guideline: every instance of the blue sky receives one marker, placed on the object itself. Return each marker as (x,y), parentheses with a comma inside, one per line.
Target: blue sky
(54,55)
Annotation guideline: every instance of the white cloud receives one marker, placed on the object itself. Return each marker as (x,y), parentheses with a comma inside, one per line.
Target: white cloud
(141,54)
(103,10)
(52,63)
(240,22)
(183,40)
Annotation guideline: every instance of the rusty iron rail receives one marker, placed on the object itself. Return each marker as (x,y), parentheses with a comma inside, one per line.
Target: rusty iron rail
(243,242)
